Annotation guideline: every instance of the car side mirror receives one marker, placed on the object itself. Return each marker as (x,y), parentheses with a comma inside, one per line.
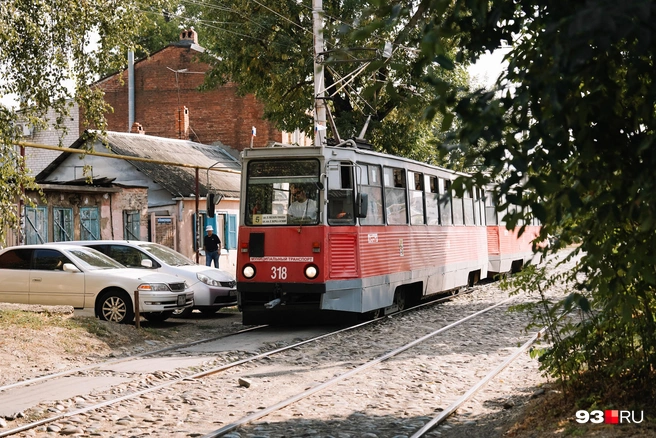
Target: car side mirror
(70,267)
(147,263)
(361,204)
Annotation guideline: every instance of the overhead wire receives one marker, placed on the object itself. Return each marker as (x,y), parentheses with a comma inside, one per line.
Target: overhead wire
(342,81)
(353,92)
(211,24)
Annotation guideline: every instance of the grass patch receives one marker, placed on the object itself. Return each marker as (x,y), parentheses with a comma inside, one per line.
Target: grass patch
(36,321)
(45,320)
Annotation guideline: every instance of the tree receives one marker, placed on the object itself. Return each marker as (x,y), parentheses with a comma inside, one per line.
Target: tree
(573,138)
(48,56)
(266,48)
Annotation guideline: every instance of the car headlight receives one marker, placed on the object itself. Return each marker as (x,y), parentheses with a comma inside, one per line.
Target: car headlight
(311,271)
(248,271)
(207,280)
(155,287)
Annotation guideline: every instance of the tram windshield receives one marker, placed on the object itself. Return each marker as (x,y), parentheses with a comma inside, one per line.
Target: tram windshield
(280,192)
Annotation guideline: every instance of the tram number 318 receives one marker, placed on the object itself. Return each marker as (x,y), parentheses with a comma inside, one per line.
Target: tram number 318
(278,272)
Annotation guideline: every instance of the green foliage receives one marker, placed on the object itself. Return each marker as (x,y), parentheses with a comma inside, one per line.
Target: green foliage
(570,141)
(266,48)
(49,57)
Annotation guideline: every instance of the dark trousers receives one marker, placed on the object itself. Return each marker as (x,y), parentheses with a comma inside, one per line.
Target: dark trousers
(212,255)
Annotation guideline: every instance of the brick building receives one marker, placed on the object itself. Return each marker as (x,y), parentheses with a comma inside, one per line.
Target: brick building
(37,159)
(167,102)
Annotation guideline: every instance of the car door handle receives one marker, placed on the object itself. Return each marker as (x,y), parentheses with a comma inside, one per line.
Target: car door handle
(36,279)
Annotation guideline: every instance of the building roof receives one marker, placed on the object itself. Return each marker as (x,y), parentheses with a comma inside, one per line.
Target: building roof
(179,181)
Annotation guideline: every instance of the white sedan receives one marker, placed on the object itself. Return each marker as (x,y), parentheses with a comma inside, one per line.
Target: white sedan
(56,274)
(213,288)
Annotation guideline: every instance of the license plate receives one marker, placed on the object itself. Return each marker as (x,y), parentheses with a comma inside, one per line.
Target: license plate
(182,299)
(232,293)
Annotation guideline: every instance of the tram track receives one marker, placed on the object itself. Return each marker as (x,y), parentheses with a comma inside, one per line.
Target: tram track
(320,387)
(71,371)
(208,371)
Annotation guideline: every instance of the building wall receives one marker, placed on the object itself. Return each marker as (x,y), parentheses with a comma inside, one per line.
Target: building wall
(184,211)
(214,115)
(38,159)
(130,198)
(110,208)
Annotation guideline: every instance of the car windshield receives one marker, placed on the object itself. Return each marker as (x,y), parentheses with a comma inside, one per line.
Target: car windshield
(92,259)
(167,255)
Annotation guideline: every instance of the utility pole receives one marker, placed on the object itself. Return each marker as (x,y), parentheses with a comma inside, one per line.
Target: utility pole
(319,102)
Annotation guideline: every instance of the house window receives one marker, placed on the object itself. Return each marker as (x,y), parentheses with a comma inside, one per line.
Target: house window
(131,225)
(62,224)
(89,223)
(231,232)
(36,225)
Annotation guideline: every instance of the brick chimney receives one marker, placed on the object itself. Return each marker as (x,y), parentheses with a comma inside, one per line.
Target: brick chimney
(137,129)
(182,118)
(189,35)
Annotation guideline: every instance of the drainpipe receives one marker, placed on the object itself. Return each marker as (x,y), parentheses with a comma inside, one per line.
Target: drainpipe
(21,202)
(199,233)
(130,90)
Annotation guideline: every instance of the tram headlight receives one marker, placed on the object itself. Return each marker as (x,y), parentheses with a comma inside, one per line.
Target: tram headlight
(311,271)
(248,271)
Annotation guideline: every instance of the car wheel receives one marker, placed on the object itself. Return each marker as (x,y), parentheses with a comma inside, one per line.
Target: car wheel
(183,313)
(157,316)
(115,306)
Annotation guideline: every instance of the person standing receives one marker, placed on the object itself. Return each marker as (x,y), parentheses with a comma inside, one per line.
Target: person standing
(212,246)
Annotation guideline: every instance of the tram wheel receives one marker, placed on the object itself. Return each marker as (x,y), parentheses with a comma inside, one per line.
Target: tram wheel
(371,315)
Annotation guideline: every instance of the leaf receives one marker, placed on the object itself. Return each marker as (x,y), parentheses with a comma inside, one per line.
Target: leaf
(447,122)
(445,62)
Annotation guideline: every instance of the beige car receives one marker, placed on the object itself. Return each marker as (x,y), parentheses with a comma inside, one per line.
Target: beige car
(58,274)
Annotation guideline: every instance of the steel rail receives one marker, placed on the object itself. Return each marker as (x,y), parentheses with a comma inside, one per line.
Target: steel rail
(233,426)
(211,371)
(456,404)
(122,359)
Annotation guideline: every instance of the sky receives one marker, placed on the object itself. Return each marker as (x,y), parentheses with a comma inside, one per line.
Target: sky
(489,67)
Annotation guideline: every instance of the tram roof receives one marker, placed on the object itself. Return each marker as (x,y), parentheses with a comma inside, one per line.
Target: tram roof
(280,150)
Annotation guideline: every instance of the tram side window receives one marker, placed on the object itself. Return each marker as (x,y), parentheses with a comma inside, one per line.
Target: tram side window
(445,201)
(371,184)
(468,202)
(432,201)
(490,210)
(416,198)
(457,209)
(340,194)
(395,196)
(478,206)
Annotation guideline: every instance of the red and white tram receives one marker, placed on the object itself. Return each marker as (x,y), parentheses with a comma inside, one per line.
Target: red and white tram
(507,251)
(345,229)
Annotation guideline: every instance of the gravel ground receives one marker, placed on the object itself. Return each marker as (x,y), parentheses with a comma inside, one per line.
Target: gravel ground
(392,399)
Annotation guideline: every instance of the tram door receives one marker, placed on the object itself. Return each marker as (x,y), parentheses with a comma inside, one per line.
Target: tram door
(340,192)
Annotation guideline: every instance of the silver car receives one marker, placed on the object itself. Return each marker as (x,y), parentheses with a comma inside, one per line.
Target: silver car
(213,288)
(61,274)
